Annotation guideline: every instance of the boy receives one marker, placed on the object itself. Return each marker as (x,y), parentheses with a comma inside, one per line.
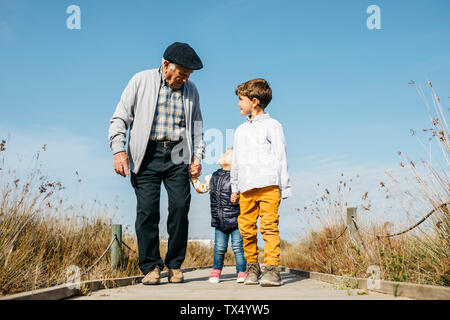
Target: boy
(224,218)
(259,179)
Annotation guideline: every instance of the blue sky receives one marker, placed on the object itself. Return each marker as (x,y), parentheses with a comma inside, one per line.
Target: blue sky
(339,89)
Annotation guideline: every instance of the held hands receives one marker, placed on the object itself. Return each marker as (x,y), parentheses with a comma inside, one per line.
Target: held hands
(234,197)
(195,168)
(121,164)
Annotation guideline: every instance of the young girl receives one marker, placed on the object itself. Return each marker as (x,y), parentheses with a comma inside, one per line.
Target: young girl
(224,216)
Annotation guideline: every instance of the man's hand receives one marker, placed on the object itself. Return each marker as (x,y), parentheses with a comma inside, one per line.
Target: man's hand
(121,164)
(195,169)
(234,197)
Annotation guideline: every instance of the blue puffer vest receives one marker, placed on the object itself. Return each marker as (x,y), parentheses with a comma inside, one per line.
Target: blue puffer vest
(224,213)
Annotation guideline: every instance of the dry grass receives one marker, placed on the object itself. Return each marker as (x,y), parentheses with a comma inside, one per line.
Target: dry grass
(421,255)
(40,238)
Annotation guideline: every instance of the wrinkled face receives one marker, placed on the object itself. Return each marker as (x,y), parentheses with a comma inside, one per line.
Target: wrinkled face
(226,158)
(176,78)
(246,105)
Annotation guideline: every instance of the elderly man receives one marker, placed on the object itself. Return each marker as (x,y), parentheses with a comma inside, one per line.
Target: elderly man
(161,109)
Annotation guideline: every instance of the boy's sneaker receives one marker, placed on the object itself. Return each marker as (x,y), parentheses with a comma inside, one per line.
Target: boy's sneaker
(271,277)
(214,276)
(252,274)
(240,277)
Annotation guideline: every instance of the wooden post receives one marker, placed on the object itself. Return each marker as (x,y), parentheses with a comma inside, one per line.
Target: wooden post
(352,227)
(116,246)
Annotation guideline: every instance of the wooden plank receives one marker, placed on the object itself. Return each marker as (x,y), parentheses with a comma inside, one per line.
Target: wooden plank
(65,291)
(53,293)
(411,290)
(399,289)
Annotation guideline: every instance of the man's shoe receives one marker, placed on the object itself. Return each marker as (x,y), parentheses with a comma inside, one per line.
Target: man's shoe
(175,276)
(252,273)
(153,277)
(271,277)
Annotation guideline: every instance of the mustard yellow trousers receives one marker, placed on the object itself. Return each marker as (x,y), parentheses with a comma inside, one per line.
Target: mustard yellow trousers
(263,203)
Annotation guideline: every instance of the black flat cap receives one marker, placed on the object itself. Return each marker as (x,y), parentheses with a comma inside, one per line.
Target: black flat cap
(182,54)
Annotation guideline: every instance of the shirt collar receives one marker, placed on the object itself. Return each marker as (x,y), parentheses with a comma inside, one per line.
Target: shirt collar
(259,117)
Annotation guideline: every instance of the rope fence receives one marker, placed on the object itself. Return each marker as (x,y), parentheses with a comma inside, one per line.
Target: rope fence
(335,238)
(103,254)
(128,247)
(444,205)
(115,263)
(353,228)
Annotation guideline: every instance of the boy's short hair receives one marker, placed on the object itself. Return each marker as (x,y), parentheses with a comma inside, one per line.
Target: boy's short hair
(256,88)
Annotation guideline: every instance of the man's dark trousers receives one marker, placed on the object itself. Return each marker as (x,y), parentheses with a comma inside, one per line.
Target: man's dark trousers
(158,167)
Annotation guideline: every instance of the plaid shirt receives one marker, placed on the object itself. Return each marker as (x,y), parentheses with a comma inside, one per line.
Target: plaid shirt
(169,113)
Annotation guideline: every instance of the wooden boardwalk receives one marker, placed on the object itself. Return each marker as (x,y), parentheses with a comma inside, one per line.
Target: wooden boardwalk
(197,287)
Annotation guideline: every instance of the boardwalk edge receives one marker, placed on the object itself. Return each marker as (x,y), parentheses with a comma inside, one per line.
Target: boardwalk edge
(398,289)
(65,291)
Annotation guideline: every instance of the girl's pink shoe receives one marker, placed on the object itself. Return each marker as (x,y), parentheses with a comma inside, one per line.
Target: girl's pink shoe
(240,277)
(214,276)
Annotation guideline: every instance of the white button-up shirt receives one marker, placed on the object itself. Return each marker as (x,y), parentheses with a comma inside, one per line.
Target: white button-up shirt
(259,156)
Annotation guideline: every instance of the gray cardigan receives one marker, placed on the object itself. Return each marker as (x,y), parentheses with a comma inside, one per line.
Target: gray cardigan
(136,109)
